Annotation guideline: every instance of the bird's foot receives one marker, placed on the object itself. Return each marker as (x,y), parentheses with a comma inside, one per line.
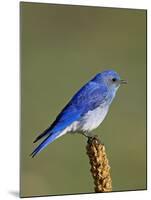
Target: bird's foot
(93,138)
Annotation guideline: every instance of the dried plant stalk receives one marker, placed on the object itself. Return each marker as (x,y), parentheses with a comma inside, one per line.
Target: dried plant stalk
(100,168)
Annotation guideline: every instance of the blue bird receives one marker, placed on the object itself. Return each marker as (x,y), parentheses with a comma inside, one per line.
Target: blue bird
(85,111)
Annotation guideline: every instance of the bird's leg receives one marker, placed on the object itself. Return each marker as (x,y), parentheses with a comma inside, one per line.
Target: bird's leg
(90,136)
(85,134)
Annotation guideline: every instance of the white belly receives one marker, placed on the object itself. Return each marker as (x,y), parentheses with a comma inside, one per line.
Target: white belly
(93,119)
(90,121)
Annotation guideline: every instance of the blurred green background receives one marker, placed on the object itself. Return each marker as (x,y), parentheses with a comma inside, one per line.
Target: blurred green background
(62,47)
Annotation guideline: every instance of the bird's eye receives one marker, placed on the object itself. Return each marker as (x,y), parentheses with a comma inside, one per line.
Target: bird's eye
(113,79)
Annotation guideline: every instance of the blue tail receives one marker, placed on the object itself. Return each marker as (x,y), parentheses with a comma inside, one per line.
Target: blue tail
(52,132)
(46,141)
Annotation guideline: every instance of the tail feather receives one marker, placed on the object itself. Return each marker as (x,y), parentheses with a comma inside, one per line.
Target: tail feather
(46,132)
(56,127)
(46,141)
(54,131)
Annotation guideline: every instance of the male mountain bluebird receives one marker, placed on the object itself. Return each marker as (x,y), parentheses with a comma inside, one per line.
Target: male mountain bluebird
(85,111)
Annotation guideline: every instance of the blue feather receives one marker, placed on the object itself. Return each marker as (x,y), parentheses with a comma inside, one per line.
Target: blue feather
(56,130)
(89,97)
(41,146)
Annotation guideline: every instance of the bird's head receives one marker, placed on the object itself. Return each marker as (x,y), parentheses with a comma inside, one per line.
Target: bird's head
(110,78)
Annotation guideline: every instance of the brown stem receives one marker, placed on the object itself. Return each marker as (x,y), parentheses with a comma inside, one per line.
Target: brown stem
(100,168)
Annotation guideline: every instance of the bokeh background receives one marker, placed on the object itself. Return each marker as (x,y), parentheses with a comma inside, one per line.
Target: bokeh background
(62,47)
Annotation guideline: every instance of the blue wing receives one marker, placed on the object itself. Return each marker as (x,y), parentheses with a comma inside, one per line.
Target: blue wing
(90,96)
(87,98)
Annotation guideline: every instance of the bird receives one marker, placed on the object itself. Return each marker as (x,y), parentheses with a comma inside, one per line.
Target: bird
(85,111)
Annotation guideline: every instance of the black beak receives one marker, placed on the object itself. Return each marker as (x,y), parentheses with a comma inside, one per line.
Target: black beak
(123,82)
